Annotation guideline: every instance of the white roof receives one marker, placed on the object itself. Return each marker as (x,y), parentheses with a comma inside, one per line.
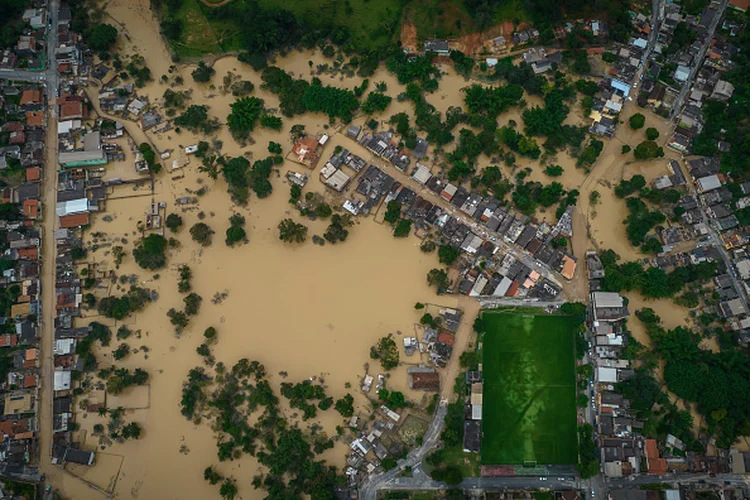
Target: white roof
(709,183)
(450,189)
(476,412)
(422,174)
(64,346)
(328,170)
(640,43)
(502,287)
(68,125)
(323,139)
(607,299)
(681,73)
(62,380)
(79,206)
(491,61)
(607,375)
(338,180)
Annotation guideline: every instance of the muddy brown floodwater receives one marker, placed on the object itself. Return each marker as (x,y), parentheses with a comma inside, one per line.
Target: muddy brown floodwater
(305,310)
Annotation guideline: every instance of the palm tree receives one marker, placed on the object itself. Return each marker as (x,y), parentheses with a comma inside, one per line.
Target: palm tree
(292,232)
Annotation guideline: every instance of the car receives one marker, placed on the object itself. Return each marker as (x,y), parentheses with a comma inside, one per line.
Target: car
(592,492)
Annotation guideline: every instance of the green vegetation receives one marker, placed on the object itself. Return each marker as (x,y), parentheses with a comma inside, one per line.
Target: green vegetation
(203,73)
(588,463)
(102,37)
(553,171)
(590,153)
(154,165)
(335,102)
(640,220)
(245,112)
(393,212)
(119,379)
(185,274)
(533,355)
(438,278)
(236,232)
(196,118)
(637,121)
(292,232)
(241,177)
(150,253)
(202,234)
(299,394)
(345,406)
(386,350)
(402,228)
(121,307)
(647,150)
(651,282)
(652,134)
(630,186)
(447,254)
(174,222)
(376,102)
(336,230)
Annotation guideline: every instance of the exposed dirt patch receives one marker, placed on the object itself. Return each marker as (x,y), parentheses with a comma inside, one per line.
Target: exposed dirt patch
(409,36)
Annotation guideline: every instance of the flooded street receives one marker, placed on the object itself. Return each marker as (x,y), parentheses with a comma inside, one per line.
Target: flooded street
(304,311)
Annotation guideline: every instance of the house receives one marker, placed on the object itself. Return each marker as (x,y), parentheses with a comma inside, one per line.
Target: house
(81,457)
(439,47)
(35,119)
(149,119)
(682,73)
(472,436)
(37,18)
(722,91)
(709,183)
(17,403)
(608,306)
(31,96)
(62,380)
(92,154)
(654,464)
(423,379)
(304,152)
(74,220)
(71,110)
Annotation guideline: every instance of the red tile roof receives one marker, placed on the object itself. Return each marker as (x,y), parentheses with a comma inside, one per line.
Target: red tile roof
(29,381)
(28,253)
(33,174)
(76,220)
(31,96)
(35,118)
(446,338)
(8,340)
(740,4)
(31,208)
(71,109)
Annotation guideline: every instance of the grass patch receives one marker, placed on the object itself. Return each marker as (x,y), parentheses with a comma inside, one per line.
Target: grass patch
(529,411)
(467,462)
(371,24)
(440,18)
(198,36)
(512,11)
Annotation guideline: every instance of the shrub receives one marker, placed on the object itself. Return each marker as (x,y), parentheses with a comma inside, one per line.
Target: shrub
(150,253)
(202,234)
(174,222)
(652,134)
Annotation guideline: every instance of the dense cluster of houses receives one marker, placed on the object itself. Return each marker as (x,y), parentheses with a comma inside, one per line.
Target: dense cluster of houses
(624,450)
(509,246)
(21,165)
(667,75)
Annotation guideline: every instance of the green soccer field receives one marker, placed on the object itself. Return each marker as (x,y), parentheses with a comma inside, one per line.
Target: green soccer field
(529,401)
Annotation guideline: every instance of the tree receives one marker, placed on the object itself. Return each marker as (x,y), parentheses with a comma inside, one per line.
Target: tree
(245,112)
(174,222)
(121,352)
(228,490)
(376,101)
(102,37)
(336,230)
(553,171)
(652,134)
(192,303)
(447,254)
(386,350)
(345,406)
(393,212)
(132,431)
(270,122)
(625,149)
(274,147)
(150,253)
(202,234)
(213,477)
(438,278)
(648,149)
(236,231)
(637,121)
(402,229)
(292,232)
(203,73)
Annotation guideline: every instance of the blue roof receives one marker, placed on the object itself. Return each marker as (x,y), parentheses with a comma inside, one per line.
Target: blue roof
(621,86)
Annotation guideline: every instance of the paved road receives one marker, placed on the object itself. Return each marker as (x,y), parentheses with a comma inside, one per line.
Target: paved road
(489,301)
(369,490)
(50,79)
(677,106)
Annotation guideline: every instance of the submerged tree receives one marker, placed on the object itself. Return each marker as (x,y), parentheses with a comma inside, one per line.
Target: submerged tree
(292,232)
